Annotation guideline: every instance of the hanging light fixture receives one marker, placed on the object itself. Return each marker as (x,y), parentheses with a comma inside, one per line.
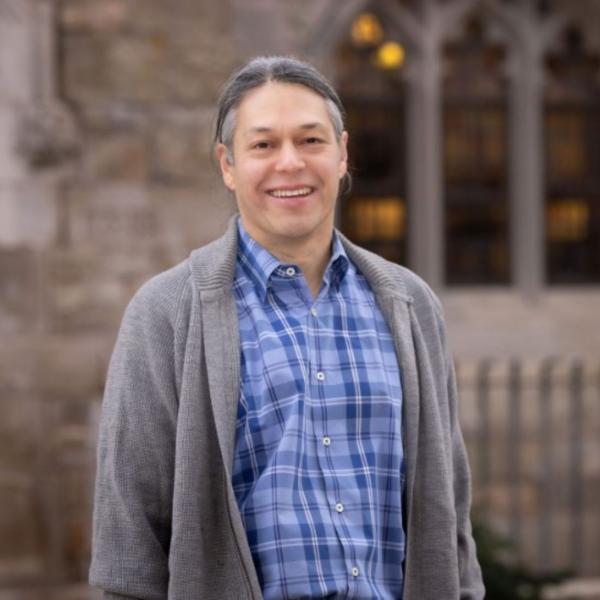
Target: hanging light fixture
(366,30)
(390,55)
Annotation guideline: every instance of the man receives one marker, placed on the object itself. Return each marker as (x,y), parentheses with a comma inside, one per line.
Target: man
(280,415)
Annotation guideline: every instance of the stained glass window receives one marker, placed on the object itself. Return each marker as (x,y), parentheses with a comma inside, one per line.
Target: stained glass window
(475,159)
(369,80)
(572,143)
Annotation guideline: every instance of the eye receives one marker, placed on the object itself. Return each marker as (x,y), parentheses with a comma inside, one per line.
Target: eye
(313,140)
(262,145)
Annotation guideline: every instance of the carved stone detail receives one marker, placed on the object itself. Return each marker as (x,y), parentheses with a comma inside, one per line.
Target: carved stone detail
(47,135)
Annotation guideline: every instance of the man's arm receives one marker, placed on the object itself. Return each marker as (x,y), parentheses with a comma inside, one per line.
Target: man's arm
(134,481)
(471,583)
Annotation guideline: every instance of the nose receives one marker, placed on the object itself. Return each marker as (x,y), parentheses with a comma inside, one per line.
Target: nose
(289,158)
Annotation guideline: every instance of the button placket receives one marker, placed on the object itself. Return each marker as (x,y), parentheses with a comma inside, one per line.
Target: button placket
(327,457)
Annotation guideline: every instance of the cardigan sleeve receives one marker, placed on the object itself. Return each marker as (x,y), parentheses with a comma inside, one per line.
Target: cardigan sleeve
(469,571)
(135,459)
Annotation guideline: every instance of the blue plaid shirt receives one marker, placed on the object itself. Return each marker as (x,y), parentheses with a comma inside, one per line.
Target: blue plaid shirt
(318,469)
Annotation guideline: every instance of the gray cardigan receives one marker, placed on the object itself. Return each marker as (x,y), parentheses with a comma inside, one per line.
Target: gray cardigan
(166,522)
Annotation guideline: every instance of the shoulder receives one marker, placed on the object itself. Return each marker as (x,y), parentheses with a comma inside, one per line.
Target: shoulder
(158,302)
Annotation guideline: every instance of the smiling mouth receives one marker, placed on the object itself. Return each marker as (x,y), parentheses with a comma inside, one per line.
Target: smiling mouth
(295,193)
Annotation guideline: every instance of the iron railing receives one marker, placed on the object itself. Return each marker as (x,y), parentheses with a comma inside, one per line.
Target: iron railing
(532,430)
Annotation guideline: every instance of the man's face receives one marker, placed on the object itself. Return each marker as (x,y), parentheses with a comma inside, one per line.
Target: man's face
(287,165)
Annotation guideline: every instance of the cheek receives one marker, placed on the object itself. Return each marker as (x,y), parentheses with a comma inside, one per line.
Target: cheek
(333,170)
(251,176)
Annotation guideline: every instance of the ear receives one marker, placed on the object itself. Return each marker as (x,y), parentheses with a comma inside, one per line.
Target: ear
(343,167)
(226,166)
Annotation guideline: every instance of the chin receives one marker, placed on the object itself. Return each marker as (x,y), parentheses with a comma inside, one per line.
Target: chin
(297,228)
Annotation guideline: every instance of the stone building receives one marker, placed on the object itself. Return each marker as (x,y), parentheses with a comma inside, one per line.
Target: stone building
(475,145)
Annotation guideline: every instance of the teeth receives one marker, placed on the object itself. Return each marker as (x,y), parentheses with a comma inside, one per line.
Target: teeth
(291,193)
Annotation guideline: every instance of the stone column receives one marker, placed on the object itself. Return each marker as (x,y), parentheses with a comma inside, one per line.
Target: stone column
(533,34)
(426,239)
(36,130)
(526,171)
(15,90)
(424,168)
(36,135)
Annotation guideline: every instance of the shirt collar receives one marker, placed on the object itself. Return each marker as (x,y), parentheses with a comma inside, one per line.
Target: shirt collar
(260,265)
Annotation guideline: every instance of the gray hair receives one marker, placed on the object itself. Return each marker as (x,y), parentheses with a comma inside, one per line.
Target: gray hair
(261,70)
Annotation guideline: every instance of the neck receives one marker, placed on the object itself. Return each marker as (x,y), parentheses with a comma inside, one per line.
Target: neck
(311,255)
(311,260)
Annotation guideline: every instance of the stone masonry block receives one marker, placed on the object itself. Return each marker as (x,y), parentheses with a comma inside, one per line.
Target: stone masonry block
(117,156)
(147,52)
(28,213)
(190,217)
(182,147)
(196,72)
(18,290)
(77,591)
(113,219)
(101,120)
(137,67)
(76,296)
(86,67)
(21,538)
(119,224)
(92,16)
(70,367)
(17,363)
(20,428)
(179,15)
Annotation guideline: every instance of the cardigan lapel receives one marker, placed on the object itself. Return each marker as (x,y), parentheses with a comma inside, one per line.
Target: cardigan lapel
(213,270)
(396,311)
(222,355)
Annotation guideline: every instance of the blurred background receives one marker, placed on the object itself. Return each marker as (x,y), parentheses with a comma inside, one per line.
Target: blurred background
(475,148)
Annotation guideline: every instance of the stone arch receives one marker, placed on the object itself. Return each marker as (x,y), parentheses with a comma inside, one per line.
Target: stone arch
(334,20)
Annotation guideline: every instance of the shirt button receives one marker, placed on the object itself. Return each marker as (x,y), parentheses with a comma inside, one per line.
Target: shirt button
(339,507)
(321,376)
(290,271)
(313,312)
(355,571)
(326,441)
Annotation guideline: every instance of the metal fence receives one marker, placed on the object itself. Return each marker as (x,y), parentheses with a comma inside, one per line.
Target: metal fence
(533,434)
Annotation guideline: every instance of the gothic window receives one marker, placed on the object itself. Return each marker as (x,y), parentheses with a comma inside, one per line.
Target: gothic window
(475,158)
(369,65)
(572,130)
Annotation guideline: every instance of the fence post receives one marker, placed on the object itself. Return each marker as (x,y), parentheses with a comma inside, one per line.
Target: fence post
(514,447)
(484,462)
(576,461)
(545,537)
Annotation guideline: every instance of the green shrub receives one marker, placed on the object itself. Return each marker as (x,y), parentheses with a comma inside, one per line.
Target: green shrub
(505,579)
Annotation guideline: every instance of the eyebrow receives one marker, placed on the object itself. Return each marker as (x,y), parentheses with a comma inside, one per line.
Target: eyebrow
(265,129)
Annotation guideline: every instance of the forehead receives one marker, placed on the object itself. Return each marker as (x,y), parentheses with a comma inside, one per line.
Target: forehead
(275,105)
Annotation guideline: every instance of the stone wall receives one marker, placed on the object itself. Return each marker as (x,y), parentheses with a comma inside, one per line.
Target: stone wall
(81,232)
(79,236)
